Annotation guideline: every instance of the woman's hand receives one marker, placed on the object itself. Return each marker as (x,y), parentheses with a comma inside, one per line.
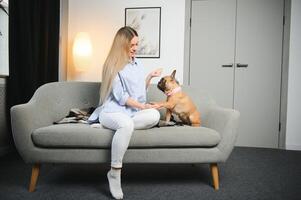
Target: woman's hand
(135,104)
(152,105)
(156,73)
(155,105)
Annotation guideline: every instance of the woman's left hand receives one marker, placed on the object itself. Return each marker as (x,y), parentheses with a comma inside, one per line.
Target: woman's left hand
(156,73)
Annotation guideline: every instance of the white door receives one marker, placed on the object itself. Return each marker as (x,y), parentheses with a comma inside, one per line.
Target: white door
(247,33)
(212,48)
(257,86)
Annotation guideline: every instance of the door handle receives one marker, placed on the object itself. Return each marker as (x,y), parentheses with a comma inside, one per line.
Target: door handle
(229,65)
(241,65)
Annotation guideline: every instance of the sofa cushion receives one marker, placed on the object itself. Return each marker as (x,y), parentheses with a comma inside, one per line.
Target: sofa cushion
(84,136)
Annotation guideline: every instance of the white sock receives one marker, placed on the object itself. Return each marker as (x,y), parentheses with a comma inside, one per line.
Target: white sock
(115,183)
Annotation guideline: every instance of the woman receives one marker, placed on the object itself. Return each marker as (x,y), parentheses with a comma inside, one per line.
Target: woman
(123,104)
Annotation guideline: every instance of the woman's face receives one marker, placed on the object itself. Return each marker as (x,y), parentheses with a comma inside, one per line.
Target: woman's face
(133,47)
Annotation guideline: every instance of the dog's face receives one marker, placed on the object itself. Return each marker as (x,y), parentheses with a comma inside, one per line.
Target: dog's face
(168,83)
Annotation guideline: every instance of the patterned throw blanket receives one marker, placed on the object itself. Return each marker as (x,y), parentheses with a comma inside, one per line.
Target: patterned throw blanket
(77,115)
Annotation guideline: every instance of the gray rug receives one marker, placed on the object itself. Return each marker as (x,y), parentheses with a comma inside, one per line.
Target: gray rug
(249,173)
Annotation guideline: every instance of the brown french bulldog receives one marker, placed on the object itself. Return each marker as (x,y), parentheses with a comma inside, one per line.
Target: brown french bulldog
(178,102)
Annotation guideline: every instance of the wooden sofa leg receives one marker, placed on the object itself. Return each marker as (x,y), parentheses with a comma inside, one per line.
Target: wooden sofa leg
(214,173)
(34,177)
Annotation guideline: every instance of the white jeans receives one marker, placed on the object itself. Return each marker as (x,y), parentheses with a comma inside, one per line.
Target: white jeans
(124,126)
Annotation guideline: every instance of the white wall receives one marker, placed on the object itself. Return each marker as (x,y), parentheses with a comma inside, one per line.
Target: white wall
(293,127)
(4,70)
(102,19)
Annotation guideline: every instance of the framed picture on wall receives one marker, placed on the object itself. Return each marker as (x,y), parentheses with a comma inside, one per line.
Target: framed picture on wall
(147,22)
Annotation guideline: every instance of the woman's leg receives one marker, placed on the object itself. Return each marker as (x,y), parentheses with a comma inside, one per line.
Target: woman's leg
(145,119)
(124,127)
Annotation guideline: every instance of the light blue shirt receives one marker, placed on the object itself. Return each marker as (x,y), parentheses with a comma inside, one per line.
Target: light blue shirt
(129,82)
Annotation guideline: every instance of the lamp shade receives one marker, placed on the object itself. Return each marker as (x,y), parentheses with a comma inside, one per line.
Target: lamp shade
(82,51)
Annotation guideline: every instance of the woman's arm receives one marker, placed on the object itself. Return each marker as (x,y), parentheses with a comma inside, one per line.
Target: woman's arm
(133,103)
(155,73)
(118,92)
(123,98)
(148,80)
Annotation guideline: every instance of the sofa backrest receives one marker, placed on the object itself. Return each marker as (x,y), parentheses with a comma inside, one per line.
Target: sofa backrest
(57,98)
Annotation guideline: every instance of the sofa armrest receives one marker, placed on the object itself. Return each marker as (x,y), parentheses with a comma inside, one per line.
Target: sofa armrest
(25,118)
(225,121)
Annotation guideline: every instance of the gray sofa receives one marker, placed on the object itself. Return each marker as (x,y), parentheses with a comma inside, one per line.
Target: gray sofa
(39,141)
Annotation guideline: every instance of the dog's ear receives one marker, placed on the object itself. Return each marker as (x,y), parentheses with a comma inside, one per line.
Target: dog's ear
(173,74)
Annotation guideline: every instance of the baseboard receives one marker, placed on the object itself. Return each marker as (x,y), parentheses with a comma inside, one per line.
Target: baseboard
(293,147)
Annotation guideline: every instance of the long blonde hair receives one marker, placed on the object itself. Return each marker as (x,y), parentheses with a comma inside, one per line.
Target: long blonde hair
(117,58)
